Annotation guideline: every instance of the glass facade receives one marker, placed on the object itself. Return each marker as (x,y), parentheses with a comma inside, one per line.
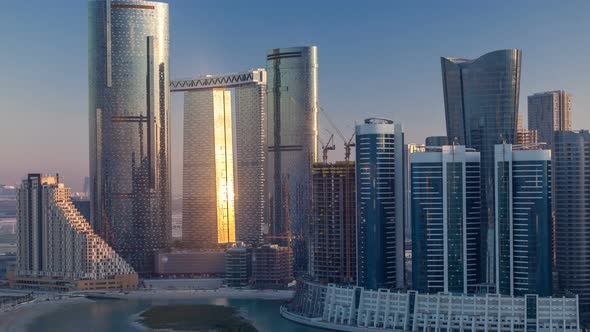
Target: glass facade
(250,164)
(445,220)
(481,108)
(129,127)
(249,149)
(208,171)
(523,217)
(571,157)
(292,146)
(380,204)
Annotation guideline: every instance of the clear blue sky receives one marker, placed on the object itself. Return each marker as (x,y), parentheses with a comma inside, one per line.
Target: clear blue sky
(377,58)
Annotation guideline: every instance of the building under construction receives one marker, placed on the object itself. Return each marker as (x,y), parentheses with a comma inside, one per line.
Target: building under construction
(333,227)
(272,266)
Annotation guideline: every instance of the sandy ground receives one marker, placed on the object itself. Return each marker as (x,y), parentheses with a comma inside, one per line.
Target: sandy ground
(16,319)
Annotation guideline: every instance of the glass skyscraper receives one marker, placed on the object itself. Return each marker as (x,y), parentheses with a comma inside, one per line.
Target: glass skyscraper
(445,220)
(292,128)
(380,197)
(129,104)
(524,231)
(208,215)
(571,151)
(207,119)
(481,108)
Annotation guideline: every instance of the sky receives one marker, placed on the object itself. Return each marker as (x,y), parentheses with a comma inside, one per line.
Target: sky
(376,59)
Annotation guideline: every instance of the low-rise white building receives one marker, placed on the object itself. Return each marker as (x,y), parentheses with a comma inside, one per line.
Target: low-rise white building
(357,309)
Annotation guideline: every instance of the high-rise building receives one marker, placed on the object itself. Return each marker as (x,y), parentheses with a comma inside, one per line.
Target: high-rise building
(292,145)
(57,248)
(549,112)
(249,90)
(524,227)
(572,214)
(128,72)
(208,216)
(445,220)
(333,227)
(525,136)
(481,108)
(380,204)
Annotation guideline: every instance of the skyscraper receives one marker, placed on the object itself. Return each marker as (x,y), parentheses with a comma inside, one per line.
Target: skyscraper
(292,145)
(572,214)
(523,221)
(250,133)
(208,216)
(130,127)
(333,226)
(380,204)
(549,112)
(445,220)
(249,148)
(481,108)
(57,248)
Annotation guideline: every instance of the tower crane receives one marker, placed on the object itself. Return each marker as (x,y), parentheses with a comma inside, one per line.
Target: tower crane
(347,147)
(348,143)
(326,147)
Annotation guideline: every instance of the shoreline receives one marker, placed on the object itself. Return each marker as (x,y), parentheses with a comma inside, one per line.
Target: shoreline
(16,319)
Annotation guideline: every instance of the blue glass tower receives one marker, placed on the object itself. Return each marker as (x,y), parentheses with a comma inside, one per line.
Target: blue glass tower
(380,204)
(445,219)
(481,110)
(524,233)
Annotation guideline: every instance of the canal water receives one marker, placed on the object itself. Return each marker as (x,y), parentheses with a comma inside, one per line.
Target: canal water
(118,315)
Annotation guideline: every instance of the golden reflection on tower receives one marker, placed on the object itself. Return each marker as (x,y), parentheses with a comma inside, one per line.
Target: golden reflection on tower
(224,165)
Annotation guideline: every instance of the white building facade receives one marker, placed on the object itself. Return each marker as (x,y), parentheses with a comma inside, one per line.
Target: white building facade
(357,309)
(55,241)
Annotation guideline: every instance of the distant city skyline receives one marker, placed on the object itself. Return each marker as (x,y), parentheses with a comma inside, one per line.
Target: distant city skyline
(392,71)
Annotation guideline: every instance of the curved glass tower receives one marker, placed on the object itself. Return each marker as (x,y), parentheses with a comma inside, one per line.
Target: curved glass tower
(128,71)
(481,108)
(292,144)
(380,204)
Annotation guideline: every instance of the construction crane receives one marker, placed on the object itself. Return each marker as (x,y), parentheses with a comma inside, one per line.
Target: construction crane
(347,147)
(348,143)
(326,147)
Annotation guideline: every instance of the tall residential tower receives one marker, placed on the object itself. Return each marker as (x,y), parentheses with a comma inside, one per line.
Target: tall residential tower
(380,202)
(203,126)
(549,112)
(445,220)
(209,215)
(481,108)
(292,145)
(524,231)
(572,214)
(128,71)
